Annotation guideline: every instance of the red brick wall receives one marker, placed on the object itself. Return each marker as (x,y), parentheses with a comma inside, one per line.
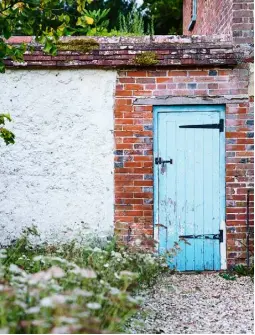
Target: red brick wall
(134,136)
(243,21)
(230,17)
(213,17)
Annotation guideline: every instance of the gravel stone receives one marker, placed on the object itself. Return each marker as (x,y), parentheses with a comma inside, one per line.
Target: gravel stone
(196,304)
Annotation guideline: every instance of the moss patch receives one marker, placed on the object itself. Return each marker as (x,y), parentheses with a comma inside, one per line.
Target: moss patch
(79,45)
(146,58)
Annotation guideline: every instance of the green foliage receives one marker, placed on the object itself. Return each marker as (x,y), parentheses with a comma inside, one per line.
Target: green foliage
(227,276)
(132,23)
(243,270)
(167,15)
(116,7)
(69,288)
(47,20)
(6,134)
(79,44)
(146,58)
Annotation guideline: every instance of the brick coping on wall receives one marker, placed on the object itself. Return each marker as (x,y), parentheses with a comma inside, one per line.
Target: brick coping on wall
(119,52)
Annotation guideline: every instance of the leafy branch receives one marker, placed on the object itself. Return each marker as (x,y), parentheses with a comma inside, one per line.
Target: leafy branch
(47,20)
(6,134)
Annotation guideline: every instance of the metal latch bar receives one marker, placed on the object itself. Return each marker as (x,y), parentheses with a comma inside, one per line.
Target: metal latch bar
(206,236)
(219,126)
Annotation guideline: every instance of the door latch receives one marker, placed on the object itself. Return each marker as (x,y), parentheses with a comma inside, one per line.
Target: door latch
(158,161)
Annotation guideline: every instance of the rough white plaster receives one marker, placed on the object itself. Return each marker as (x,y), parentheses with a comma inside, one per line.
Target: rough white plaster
(59,173)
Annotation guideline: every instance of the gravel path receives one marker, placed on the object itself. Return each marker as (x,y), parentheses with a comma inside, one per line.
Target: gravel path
(197,303)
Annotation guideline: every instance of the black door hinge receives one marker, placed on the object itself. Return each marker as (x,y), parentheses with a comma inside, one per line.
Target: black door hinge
(206,236)
(219,126)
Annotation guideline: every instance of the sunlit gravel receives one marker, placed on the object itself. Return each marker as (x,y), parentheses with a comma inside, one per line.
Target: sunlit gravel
(196,303)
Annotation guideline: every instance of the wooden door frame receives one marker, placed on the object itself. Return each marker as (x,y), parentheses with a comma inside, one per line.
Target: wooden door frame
(221,109)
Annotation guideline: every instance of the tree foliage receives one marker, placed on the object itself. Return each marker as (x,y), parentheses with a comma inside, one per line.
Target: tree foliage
(47,20)
(167,15)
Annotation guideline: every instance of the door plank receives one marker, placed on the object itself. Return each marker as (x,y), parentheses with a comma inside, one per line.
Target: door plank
(189,189)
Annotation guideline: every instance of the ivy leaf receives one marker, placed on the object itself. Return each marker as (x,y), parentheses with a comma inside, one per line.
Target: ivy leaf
(7,32)
(2,67)
(48,46)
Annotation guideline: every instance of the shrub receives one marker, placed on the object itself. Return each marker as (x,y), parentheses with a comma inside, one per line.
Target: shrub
(69,288)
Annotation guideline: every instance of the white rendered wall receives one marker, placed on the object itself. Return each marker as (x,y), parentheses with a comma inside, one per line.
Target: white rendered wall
(59,173)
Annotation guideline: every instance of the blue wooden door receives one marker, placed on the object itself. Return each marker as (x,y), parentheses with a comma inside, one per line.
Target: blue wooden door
(189,184)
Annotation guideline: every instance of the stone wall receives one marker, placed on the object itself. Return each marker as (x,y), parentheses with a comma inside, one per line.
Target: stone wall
(59,174)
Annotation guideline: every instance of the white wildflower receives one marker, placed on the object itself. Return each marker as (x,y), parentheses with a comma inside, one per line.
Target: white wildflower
(116,275)
(88,249)
(38,277)
(52,301)
(132,300)
(116,254)
(61,330)
(50,259)
(106,265)
(56,272)
(53,272)
(38,323)
(66,319)
(82,293)
(34,292)
(20,304)
(59,299)
(85,273)
(54,286)
(164,265)
(96,249)
(114,291)
(20,280)
(3,254)
(128,274)
(33,310)
(15,269)
(93,305)
(46,302)
(70,329)
(83,315)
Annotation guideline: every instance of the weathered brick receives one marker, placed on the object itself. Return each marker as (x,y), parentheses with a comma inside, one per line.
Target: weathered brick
(135,184)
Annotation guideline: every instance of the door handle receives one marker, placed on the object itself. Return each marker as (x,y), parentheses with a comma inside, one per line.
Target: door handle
(158,160)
